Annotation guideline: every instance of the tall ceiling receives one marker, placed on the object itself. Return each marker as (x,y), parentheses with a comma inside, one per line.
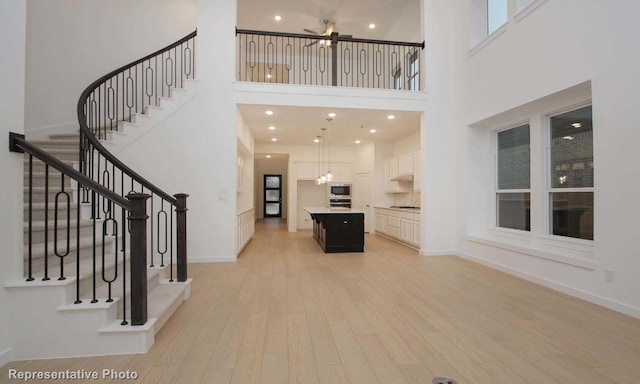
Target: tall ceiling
(394,19)
(397,20)
(300,125)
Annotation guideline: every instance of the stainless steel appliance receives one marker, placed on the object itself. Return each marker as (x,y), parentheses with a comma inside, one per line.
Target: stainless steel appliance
(340,203)
(340,196)
(340,191)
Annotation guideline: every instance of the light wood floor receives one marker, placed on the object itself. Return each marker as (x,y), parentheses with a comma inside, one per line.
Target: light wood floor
(288,313)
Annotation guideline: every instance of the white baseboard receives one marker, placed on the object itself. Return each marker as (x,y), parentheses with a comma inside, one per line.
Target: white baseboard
(438,253)
(5,357)
(578,293)
(44,132)
(213,259)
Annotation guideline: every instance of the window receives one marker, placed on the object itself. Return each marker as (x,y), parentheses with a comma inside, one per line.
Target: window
(397,79)
(513,193)
(571,174)
(496,15)
(413,78)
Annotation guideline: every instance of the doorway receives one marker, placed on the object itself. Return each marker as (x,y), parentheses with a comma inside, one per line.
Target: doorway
(272,196)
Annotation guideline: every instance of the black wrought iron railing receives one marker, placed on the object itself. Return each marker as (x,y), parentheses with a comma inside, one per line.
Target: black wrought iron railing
(83,245)
(334,60)
(102,109)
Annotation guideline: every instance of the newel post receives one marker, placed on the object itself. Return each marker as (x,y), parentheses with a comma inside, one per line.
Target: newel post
(138,229)
(181,235)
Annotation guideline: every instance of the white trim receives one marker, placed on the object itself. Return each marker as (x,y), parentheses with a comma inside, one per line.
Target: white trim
(487,40)
(578,293)
(438,253)
(528,10)
(5,357)
(213,259)
(544,254)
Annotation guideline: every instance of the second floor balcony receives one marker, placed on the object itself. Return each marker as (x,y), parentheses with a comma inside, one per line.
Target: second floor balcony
(327,60)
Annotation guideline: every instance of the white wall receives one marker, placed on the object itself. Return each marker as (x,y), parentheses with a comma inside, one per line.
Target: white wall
(71,43)
(12,75)
(438,147)
(591,41)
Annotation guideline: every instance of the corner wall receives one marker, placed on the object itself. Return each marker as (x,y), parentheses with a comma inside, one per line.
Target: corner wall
(12,75)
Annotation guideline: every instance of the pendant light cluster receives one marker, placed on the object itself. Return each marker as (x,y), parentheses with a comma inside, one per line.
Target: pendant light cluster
(325,177)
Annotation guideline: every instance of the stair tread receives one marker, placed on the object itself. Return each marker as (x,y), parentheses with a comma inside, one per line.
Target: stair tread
(37,250)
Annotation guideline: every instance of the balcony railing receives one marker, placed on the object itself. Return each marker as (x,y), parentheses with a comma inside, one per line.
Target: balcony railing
(334,60)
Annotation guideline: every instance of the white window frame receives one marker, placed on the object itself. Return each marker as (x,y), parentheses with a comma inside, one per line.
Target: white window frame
(413,57)
(547,174)
(497,191)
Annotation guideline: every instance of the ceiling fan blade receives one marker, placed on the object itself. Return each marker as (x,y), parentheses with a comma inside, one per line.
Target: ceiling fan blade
(329,30)
(313,43)
(310,31)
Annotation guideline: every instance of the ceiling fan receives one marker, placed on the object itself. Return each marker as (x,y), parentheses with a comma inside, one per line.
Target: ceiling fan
(328,30)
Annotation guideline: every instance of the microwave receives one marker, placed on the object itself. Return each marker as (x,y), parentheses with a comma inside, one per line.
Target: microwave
(338,191)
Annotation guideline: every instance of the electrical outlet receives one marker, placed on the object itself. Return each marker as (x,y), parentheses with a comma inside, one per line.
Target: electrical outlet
(609,275)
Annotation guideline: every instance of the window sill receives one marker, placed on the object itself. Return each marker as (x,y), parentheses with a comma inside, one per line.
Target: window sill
(487,40)
(575,252)
(528,10)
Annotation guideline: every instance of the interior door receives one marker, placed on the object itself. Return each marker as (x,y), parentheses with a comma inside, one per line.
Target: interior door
(272,195)
(362,190)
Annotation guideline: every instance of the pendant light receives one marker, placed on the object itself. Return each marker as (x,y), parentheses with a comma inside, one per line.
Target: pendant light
(318,181)
(323,178)
(329,175)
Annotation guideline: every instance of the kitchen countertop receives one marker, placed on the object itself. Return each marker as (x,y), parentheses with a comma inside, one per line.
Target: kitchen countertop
(414,210)
(325,210)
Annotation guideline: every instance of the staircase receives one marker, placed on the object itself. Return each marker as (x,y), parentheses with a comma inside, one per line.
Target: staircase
(97,234)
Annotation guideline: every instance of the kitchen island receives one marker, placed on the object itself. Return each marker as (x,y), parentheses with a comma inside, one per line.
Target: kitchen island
(338,229)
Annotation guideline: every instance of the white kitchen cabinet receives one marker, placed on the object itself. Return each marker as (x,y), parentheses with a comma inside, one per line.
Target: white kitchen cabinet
(417,177)
(393,168)
(394,186)
(342,173)
(246,228)
(406,230)
(239,175)
(399,225)
(405,164)
(381,223)
(307,171)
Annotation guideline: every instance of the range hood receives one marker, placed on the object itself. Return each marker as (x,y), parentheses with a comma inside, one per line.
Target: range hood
(408,177)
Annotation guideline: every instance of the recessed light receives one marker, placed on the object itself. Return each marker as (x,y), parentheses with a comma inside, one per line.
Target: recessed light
(372,130)
(268,76)
(576,125)
(278,18)
(391,117)
(274,139)
(357,141)
(332,114)
(316,140)
(568,137)
(269,112)
(272,128)
(372,26)
(268,156)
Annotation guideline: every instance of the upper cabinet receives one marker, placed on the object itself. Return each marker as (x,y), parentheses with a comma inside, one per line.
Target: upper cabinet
(405,165)
(341,172)
(402,173)
(307,171)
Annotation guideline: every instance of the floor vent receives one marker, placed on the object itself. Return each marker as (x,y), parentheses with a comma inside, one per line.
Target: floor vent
(443,380)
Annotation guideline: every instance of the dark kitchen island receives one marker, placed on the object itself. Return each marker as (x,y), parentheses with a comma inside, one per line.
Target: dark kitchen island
(338,229)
